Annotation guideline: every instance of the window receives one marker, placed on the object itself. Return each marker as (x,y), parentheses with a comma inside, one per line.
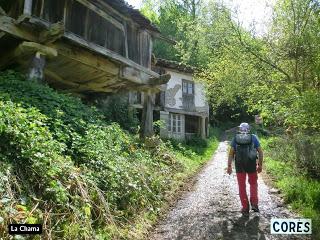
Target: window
(174,123)
(187,87)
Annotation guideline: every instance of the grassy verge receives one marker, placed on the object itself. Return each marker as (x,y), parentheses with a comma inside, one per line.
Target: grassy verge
(299,190)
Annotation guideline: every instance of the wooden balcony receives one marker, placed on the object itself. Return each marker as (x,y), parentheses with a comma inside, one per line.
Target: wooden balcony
(97,45)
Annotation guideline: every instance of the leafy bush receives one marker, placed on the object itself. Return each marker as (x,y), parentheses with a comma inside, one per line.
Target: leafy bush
(116,109)
(305,113)
(66,165)
(132,177)
(66,115)
(197,141)
(293,161)
(308,153)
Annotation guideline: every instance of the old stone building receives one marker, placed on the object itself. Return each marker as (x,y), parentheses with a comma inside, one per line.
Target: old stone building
(181,104)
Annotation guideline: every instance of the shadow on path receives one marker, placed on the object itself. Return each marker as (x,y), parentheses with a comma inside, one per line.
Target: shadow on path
(243,228)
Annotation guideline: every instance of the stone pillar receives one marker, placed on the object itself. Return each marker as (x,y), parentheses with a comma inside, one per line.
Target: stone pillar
(37,67)
(147,115)
(27,9)
(203,128)
(183,127)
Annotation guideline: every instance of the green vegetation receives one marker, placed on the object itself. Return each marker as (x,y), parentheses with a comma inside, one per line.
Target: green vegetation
(275,75)
(63,164)
(291,170)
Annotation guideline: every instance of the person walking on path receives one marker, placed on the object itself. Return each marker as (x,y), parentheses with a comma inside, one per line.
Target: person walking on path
(244,148)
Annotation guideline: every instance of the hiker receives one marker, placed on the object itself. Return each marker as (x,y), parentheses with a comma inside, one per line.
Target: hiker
(244,148)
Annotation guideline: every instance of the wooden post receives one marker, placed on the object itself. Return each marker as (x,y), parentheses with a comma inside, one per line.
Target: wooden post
(27,9)
(126,39)
(203,128)
(147,115)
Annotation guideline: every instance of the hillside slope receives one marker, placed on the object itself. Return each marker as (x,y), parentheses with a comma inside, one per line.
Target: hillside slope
(64,165)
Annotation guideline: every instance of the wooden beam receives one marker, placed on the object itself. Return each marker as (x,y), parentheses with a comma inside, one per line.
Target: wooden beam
(27,9)
(140,78)
(26,49)
(133,75)
(59,79)
(161,37)
(77,87)
(181,111)
(147,116)
(106,6)
(54,32)
(107,53)
(32,47)
(126,40)
(86,57)
(162,79)
(2,34)
(102,14)
(110,9)
(8,25)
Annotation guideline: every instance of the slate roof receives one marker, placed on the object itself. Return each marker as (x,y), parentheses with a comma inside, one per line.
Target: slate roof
(174,65)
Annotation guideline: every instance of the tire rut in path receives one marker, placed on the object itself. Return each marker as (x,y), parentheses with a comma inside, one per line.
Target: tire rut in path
(211,209)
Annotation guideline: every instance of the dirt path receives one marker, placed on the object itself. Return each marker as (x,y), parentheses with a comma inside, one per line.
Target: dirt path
(211,209)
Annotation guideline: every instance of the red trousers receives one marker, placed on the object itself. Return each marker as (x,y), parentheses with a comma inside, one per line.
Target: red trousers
(253,181)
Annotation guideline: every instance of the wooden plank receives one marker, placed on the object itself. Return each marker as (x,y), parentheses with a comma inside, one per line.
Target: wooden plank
(126,40)
(181,111)
(59,79)
(27,9)
(8,25)
(112,10)
(42,8)
(85,57)
(150,51)
(32,48)
(102,14)
(147,116)
(133,75)
(109,54)
(65,9)
(2,34)
(53,33)
(26,49)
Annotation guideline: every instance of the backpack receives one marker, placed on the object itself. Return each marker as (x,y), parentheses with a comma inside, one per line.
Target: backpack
(246,154)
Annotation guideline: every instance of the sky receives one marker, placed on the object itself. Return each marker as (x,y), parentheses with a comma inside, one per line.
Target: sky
(246,11)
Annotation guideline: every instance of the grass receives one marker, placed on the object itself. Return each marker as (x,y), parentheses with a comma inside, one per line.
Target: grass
(299,190)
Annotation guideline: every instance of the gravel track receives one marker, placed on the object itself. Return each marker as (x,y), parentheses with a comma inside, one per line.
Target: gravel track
(212,209)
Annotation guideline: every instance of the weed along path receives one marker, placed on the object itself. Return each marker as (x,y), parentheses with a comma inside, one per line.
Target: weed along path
(212,209)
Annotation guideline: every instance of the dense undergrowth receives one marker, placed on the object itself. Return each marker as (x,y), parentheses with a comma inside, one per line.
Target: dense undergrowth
(63,164)
(293,161)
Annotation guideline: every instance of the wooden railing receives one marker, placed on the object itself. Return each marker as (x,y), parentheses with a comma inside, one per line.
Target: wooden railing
(106,29)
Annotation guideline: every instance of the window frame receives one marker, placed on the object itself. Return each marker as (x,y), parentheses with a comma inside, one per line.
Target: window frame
(175,123)
(186,86)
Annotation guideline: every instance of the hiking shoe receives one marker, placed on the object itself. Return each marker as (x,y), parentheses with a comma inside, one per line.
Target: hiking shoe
(245,211)
(255,208)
